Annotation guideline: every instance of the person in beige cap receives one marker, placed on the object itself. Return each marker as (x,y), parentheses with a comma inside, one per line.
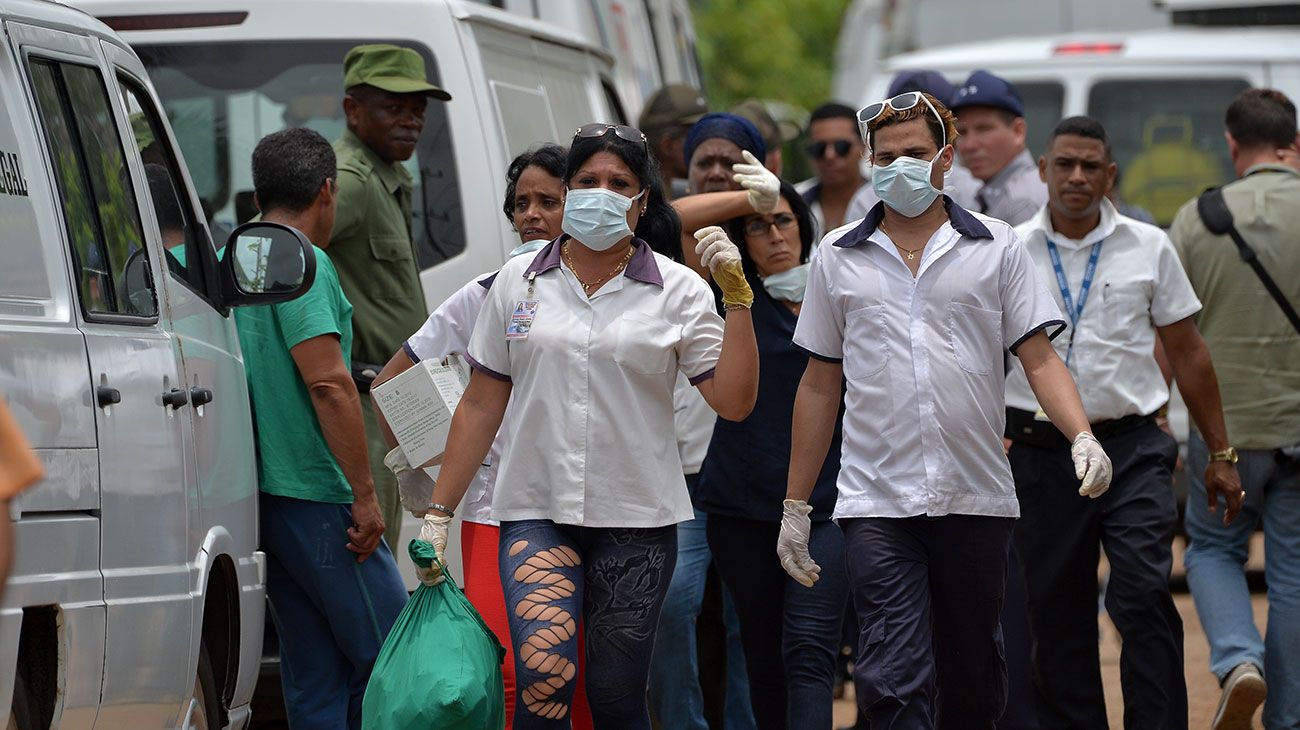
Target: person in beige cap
(775,133)
(665,120)
(371,245)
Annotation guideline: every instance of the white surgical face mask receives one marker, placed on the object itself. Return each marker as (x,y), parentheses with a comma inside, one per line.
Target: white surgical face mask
(788,285)
(597,217)
(904,184)
(529,247)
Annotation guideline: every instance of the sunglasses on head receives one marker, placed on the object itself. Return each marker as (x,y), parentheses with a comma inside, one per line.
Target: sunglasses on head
(900,103)
(600,129)
(841,146)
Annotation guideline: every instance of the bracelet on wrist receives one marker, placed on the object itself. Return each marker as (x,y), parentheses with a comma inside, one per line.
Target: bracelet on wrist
(734,307)
(443,509)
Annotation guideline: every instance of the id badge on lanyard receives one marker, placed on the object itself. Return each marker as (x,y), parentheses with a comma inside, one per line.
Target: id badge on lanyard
(1073,311)
(521,320)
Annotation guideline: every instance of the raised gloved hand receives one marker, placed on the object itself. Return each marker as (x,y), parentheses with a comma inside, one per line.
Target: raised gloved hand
(763,186)
(414,486)
(792,543)
(434,532)
(1091,465)
(721,257)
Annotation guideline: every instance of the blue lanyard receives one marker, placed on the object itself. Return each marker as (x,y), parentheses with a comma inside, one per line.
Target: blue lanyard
(1072,311)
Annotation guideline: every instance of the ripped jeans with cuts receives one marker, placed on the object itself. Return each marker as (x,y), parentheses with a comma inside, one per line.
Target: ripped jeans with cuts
(615,579)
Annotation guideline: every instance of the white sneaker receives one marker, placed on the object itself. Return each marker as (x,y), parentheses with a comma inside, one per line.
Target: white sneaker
(1243,691)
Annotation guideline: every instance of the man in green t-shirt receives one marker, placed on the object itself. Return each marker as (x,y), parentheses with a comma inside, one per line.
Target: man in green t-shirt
(387,93)
(333,585)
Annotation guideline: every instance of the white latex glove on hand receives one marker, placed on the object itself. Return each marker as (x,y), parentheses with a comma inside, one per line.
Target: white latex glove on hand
(1091,465)
(434,532)
(763,186)
(414,486)
(792,543)
(715,249)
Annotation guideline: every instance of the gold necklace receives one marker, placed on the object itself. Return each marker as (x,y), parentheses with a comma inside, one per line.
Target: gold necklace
(911,255)
(588,288)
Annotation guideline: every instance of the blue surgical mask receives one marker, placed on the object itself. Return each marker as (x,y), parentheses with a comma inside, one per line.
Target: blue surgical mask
(788,285)
(904,185)
(529,247)
(597,217)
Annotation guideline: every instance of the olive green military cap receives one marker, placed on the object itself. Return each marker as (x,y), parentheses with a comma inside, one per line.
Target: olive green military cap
(673,105)
(391,68)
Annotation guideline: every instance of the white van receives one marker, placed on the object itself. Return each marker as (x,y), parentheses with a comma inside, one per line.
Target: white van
(227,77)
(137,576)
(1161,94)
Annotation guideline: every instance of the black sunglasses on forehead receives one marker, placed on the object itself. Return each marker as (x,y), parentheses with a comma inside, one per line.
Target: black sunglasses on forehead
(600,129)
(817,150)
(900,103)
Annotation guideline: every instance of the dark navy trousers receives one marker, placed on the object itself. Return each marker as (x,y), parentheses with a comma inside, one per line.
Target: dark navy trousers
(331,613)
(1058,538)
(928,592)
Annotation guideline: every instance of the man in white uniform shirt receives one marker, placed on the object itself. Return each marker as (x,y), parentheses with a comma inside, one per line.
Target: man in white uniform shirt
(1119,283)
(915,307)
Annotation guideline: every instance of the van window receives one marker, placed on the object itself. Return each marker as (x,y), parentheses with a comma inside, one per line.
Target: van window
(99,206)
(1044,103)
(1167,136)
(222,98)
(179,233)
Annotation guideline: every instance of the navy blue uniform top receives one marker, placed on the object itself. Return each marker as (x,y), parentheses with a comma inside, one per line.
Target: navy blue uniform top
(744,474)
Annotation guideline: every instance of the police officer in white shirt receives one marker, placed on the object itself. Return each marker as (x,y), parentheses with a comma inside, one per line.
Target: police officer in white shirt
(915,307)
(1119,283)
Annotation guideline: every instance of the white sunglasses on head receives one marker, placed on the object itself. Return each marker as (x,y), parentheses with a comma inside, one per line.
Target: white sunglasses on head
(900,103)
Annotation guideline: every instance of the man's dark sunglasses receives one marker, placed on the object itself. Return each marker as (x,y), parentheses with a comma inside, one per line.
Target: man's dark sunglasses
(841,146)
(600,129)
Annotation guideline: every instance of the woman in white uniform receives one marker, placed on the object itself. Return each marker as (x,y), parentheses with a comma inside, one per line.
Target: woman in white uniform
(589,335)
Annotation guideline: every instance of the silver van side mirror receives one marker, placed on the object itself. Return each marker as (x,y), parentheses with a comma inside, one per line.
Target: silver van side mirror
(266,263)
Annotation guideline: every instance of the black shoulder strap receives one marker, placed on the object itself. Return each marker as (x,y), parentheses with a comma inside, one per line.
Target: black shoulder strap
(1218,220)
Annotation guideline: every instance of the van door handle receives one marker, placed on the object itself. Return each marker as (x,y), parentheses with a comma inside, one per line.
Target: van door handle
(106,396)
(176,397)
(200,396)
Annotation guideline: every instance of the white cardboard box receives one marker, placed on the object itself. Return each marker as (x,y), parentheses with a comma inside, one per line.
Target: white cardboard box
(418,405)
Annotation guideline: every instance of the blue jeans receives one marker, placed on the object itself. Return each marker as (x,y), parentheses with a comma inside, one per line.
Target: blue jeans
(791,633)
(675,673)
(615,578)
(1215,557)
(331,613)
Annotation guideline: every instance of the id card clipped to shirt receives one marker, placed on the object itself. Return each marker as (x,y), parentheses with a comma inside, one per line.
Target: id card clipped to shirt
(521,320)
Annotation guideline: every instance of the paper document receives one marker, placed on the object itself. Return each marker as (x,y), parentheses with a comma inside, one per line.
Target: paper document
(418,405)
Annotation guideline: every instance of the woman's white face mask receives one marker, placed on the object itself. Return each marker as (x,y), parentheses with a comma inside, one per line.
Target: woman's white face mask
(597,217)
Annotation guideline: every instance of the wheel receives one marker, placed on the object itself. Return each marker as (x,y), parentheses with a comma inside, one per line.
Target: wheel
(203,710)
(20,715)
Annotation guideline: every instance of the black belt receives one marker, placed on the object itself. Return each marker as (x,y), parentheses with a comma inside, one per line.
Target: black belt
(1023,428)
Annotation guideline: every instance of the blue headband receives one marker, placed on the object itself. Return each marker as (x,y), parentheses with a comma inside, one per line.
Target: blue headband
(731,127)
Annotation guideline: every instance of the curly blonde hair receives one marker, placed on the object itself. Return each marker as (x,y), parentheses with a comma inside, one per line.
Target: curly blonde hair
(892,116)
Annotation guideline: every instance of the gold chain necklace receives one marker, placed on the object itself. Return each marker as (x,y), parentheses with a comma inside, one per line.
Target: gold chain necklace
(911,255)
(588,288)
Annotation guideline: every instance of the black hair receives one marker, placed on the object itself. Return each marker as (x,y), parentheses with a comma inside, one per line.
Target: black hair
(165,204)
(1081,126)
(802,213)
(549,157)
(659,221)
(1261,118)
(289,167)
(834,110)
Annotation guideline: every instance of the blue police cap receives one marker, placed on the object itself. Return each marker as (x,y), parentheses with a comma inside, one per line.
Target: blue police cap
(931,82)
(985,89)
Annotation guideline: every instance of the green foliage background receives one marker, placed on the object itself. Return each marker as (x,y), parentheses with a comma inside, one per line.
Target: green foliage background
(770,49)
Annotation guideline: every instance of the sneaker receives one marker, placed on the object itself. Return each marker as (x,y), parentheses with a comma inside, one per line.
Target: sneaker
(1243,691)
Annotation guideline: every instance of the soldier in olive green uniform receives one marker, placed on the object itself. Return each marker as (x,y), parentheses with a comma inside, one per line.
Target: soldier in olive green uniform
(372,245)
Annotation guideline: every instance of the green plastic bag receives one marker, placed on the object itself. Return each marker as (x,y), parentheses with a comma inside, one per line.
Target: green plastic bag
(440,666)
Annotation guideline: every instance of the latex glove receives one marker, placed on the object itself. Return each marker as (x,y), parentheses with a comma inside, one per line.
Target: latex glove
(1091,465)
(792,543)
(414,486)
(721,257)
(763,186)
(434,532)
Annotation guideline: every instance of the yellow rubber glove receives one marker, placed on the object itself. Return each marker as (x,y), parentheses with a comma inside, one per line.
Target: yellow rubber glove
(721,257)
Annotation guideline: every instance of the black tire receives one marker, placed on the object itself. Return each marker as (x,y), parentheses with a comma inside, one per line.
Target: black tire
(20,713)
(206,712)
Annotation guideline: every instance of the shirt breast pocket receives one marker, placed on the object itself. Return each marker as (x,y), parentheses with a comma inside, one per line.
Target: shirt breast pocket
(865,349)
(1125,306)
(392,255)
(975,335)
(645,343)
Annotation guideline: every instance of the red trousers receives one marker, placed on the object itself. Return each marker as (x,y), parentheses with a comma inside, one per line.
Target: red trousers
(483,588)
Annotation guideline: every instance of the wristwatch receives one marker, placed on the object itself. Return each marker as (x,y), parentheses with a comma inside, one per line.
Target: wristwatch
(1229,455)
